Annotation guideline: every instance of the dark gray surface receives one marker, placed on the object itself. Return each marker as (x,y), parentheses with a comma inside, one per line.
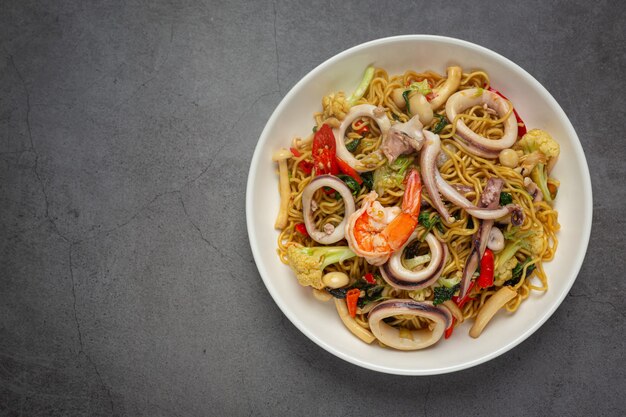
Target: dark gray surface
(127,285)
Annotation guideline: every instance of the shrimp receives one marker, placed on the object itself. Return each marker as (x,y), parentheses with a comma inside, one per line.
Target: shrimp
(374,232)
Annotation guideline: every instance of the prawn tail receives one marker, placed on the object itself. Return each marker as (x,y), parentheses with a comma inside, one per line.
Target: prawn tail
(399,230)
(412,193)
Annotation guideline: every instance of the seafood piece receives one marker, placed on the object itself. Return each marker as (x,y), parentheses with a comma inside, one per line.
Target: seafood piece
(417,339)
(362,110)
(465,99)
(374,232)
(403,138)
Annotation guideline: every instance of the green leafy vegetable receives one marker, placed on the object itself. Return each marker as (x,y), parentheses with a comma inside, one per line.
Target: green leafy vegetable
(443,294)
(372,293)
(391,175)
(368,180)
(440,124)
(429,221)
(412,250)
(314,129)
(505,198)
(353,144)
(405,96)
(350,182)
(401,164)
(337,292)
(518,270)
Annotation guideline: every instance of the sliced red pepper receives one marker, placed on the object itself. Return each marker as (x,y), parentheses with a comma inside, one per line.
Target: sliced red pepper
(352,297)
(369,277)
(461,302)
(295,152)
(348,170)
(301,228)
(450,329)
(305,166)
(324,150)
(485,280)
(521,130)
(361,127)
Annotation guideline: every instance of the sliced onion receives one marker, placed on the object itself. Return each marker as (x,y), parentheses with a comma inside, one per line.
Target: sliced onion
(396,275)
(307,199)
(362,110)
(419,339)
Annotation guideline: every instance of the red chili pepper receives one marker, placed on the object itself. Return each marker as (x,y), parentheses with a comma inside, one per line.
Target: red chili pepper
(485,280)
(450,329)
(305,166)
(352,297)
(361,127)
(521,130)
(301,228)
(461,302)
(295,152)
(324,150)
(369,277)
(348,170)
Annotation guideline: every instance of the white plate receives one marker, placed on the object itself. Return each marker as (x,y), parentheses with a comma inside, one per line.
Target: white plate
(293,116)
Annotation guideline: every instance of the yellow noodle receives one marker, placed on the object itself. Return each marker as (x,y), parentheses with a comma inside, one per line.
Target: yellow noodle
(461,168)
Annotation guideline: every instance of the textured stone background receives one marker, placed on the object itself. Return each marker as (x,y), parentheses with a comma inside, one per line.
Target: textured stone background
(127,286)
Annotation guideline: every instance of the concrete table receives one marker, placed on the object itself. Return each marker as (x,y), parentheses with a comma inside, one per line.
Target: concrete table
(127,285)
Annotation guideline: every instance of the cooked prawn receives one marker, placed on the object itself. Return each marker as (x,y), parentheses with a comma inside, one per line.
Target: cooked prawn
(375,232)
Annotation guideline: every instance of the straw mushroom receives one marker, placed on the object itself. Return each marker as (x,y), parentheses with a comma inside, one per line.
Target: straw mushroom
(281,156)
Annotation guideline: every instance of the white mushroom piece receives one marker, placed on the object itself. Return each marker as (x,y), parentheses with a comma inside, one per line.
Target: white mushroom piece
(330,234)
(419,106)
(281,156)
(362,110)
(445,90)
(352,325)
(473,142)
(409,339)
(490,308)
